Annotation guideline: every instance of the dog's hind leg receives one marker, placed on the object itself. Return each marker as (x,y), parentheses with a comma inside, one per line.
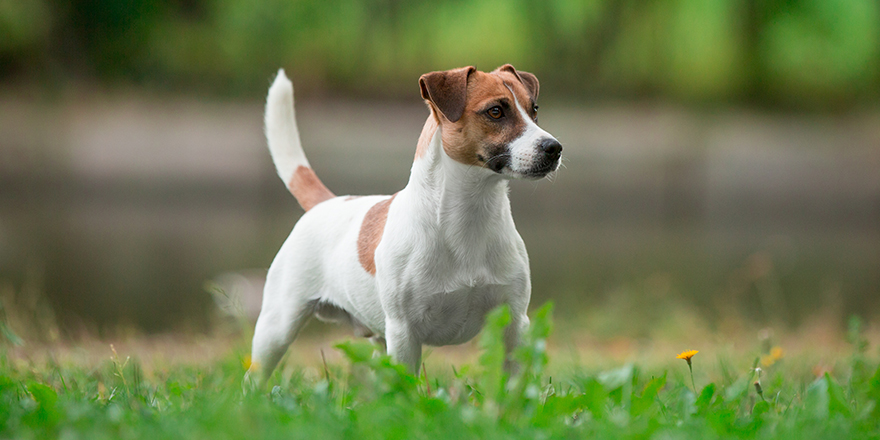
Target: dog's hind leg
(286,310)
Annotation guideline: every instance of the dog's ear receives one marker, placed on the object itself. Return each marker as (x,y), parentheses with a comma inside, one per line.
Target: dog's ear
(447,90)
(531,83)
(528,80)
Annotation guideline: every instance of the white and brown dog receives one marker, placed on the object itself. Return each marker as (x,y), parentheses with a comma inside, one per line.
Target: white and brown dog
(422,266)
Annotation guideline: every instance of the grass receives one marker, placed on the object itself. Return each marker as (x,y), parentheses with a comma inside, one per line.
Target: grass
(367,396)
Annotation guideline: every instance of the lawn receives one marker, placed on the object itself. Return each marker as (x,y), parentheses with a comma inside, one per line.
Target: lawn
(363,396)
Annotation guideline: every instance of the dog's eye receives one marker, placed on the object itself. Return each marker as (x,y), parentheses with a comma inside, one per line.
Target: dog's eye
(495,112)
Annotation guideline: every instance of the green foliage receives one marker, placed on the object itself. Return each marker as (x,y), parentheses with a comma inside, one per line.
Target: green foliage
(24,26)
(371,397)
(827,47)
(813,53)
(7,335)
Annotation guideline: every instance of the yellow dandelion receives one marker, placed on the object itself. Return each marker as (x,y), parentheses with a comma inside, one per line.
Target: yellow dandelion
(776,353)
(246,362)
(687,355)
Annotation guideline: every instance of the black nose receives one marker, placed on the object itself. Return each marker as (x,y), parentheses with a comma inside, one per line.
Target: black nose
(551,147)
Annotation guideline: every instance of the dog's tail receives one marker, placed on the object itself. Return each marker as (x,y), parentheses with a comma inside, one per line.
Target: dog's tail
(286,149)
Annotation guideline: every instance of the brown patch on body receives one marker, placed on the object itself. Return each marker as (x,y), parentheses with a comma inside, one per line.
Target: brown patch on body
(308,188)
(371,234)
(474,138)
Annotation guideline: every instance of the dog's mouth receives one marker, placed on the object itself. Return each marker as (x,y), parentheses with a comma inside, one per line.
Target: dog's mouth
(544,164)
(538,171)
(544,168)
(508,164)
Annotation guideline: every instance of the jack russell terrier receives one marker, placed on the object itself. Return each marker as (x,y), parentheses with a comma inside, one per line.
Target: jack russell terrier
(425,265)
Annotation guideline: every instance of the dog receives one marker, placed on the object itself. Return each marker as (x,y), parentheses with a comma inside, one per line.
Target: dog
(422,266)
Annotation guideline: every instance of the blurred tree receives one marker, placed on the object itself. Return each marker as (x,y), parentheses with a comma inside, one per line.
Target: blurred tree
(821,51)
(808,53)
(24,34)
(114,34)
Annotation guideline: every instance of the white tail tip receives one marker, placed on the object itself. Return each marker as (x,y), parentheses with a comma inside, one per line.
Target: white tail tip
(281,129)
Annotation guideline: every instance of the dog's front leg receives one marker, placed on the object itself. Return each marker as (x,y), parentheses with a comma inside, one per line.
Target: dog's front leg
(402,344)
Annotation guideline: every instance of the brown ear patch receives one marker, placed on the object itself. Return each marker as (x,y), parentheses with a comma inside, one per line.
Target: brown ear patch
(308,188)
(527,79)
(531,83)
(447,90)
(371,234)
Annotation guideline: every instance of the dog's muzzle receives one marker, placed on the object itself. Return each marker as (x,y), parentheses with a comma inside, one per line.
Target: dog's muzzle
(551,148)
(551,151)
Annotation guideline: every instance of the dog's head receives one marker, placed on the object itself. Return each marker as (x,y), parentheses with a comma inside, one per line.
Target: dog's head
(490,120)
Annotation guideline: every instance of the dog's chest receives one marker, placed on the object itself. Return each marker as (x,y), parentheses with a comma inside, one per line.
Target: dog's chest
(452,317)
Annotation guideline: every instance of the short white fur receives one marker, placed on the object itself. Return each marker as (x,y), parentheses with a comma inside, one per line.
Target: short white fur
(282,136)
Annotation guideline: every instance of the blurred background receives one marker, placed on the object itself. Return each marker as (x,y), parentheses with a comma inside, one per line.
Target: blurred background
(722,158)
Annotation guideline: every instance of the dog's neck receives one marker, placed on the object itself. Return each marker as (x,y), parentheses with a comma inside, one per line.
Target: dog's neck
(464,199)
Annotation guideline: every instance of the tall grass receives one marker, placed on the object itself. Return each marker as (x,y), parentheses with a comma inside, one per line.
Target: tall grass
(368,396)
